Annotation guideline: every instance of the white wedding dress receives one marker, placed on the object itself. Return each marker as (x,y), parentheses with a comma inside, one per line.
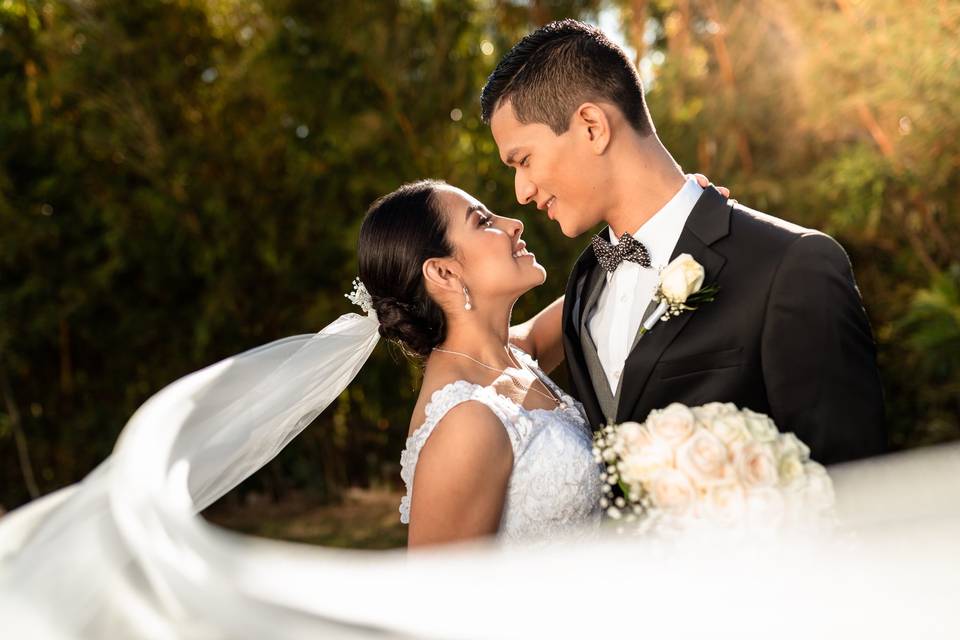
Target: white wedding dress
(555,484)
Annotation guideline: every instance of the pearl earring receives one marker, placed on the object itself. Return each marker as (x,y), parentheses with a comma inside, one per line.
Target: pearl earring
(466,296)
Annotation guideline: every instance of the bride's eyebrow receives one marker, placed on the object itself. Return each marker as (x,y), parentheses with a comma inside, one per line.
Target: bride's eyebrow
(472,208)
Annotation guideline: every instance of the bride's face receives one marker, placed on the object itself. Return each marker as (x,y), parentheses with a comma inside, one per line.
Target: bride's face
(493,256)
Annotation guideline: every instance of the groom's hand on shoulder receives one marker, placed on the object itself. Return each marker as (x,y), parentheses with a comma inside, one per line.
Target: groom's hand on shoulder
(704,182)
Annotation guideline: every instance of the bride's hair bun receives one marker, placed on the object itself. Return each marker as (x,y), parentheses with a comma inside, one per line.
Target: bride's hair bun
(400,232)
(410,326)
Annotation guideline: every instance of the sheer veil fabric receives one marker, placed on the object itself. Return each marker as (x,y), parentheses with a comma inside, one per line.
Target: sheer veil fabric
(124,553)
(127,540)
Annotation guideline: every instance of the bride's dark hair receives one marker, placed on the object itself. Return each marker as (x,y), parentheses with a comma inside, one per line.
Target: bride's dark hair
(400,232)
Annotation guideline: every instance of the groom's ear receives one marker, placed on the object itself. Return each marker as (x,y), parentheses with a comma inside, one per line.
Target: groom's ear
(441,274)
(592,124)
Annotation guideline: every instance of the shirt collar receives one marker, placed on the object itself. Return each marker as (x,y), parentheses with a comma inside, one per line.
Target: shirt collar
(661,232)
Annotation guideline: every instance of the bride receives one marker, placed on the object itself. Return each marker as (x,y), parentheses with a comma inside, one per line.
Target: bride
(495,447)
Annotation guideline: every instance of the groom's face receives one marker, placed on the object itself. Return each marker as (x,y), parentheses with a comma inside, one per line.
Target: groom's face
(555,172)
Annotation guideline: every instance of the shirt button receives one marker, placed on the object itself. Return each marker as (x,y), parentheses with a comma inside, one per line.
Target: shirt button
(616,374)
(623,297)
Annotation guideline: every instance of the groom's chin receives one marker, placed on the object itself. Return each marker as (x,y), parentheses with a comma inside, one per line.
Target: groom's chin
(571,224)
(571,231)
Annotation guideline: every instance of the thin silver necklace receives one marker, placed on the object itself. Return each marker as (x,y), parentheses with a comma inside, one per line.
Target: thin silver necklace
(556,401)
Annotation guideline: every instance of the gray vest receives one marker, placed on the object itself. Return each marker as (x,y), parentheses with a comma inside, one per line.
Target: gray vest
(609,402)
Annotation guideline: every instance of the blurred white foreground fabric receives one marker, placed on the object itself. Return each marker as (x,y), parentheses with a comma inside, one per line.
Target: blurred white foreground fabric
(123,554)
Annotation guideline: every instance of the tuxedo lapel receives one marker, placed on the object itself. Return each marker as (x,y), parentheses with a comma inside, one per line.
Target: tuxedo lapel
(593,287)
(578,291)
(596,283)
(708,222)
(573,300)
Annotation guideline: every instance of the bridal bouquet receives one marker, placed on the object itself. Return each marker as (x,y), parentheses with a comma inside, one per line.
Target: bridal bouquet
(713,465)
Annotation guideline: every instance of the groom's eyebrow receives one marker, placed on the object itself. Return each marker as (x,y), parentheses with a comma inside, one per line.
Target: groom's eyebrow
(509,159)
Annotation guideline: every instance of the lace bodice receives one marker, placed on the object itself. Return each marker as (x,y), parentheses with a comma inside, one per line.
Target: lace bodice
(555,483)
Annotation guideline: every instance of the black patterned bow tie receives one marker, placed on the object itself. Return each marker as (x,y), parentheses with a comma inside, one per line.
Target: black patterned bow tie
(610,256)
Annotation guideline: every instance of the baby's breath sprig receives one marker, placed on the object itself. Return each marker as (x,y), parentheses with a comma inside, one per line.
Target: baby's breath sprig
(692,303)
(631,506)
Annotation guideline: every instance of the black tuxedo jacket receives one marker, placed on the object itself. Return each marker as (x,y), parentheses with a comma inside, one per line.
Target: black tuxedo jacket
(787,335)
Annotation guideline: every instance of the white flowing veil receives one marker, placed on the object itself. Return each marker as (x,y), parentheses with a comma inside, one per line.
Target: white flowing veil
(124,553)
(126,526)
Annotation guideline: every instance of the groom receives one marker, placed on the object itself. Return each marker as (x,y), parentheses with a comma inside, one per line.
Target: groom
(786,334)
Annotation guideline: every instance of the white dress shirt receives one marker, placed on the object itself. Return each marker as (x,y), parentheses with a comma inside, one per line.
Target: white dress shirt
(614,321)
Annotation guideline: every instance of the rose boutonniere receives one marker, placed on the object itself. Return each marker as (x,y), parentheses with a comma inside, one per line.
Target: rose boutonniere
(680,289)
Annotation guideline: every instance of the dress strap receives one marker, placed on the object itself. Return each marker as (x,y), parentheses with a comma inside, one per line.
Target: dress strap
(534,365)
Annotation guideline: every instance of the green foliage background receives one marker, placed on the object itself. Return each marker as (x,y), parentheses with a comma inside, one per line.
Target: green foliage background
(182,180)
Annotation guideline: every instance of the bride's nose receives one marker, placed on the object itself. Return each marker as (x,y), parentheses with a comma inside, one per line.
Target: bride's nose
(515,228)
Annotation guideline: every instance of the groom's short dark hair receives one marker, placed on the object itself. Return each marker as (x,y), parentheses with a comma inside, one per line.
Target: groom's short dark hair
(558,67)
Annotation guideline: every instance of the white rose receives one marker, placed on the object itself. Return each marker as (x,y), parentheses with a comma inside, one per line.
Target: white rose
(818,493)
(757,466)
(704,458)
(638,467)
(724,504)
(731,428)
(630,435)
(672,425)
(642,456)
(789,444)
(790,469)
(672,491)
(681,278)
(766,508)
(761,427)
(709,411)
(729,408)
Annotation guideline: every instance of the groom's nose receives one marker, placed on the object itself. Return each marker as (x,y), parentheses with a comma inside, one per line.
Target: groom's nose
(526,190)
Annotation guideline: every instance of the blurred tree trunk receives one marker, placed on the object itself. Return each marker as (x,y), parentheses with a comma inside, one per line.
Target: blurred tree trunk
(20,438)
(729,79)
(637,27)
(539,14)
